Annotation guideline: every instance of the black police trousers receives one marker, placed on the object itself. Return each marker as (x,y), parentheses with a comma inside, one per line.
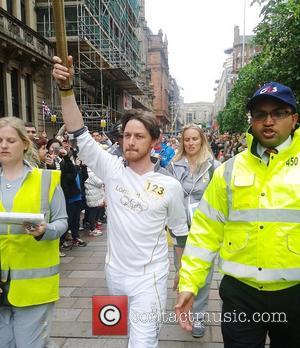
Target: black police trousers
(249,315)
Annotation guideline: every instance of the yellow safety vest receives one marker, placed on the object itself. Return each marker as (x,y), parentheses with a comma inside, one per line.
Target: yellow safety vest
(250,214)
(32,266)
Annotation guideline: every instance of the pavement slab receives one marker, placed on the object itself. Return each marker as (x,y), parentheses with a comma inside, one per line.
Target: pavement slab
(83,276)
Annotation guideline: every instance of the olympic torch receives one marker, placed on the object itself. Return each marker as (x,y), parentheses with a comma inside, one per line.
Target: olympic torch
(61,36)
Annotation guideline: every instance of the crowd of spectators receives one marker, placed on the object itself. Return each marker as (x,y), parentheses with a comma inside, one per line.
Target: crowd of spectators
(223,146)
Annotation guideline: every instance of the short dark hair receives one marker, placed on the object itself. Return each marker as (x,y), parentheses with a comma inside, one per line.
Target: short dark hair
(30,124)
(146,118)
(52,141)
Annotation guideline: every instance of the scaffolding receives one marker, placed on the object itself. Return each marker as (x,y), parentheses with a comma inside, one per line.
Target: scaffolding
(103,39)
(109,27)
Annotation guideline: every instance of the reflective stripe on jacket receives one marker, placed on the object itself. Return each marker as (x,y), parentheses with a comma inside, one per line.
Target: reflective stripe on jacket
(250,214)
(30,265)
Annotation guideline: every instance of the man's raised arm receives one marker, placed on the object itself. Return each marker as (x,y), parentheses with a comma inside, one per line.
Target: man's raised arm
(70,111)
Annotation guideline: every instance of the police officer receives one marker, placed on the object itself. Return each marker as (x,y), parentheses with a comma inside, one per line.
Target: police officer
(250,215)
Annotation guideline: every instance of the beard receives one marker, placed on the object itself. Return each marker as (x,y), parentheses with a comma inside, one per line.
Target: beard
(133,155)
(130,154)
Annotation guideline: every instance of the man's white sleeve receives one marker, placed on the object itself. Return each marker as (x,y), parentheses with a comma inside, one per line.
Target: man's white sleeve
(103,164)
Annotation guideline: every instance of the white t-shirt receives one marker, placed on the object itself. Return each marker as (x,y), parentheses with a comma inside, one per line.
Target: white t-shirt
(138,208)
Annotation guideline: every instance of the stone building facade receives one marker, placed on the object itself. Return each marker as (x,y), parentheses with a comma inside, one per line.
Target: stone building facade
(199,113)
(158,65)
(25,60)
(119,62)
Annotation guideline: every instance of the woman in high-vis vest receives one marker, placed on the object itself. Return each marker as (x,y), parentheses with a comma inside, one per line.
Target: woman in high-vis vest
(29,252)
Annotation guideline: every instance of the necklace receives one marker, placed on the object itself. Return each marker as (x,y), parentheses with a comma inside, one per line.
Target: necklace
(7,184)
(8,189)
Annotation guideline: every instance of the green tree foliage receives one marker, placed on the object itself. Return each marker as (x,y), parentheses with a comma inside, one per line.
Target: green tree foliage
(278,35)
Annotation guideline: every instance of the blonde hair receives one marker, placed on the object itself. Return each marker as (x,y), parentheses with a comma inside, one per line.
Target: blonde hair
(204,152)
(30,154)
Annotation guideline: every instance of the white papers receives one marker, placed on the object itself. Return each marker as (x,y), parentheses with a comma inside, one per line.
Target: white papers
(21,218)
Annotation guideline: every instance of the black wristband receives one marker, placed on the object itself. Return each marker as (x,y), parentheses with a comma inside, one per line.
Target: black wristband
(77,133)
(65,89)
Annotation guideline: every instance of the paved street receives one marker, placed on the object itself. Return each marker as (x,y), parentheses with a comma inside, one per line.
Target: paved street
(82,276)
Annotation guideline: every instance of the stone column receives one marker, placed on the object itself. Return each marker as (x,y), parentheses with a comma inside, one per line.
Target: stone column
(3,4)
(23,97)
(17,8)
(30,14)
(34,104)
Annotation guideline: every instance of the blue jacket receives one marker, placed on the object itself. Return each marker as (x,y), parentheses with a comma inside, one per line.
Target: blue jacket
(166,153)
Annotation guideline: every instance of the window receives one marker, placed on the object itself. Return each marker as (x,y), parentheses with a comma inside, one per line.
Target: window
(23,11)
(71,20)
(9,6)
(2,96)
(189,117)
(28,98)
(15,92)
(43,26)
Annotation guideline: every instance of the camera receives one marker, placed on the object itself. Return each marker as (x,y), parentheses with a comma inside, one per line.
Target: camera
(56,150)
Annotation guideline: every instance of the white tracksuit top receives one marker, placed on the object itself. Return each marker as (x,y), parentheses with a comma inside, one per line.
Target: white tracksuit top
(138,209)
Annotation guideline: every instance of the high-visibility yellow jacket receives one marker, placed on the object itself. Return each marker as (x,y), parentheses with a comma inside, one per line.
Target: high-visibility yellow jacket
(31,265)
(250,214)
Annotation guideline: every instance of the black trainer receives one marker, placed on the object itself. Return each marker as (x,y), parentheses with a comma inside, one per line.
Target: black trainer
(79,242)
